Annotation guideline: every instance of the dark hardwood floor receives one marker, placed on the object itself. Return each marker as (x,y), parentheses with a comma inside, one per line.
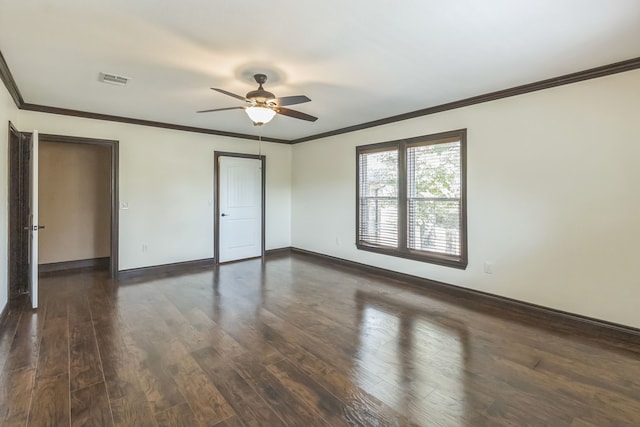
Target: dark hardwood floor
(298,342)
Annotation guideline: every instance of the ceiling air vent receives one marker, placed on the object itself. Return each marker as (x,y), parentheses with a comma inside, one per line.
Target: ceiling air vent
(113,79)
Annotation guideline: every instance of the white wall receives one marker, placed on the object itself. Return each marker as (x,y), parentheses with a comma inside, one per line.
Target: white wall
(8,112)
(553,197)
(166,178)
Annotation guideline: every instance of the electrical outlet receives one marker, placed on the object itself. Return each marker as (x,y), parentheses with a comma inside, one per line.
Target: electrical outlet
(145,248)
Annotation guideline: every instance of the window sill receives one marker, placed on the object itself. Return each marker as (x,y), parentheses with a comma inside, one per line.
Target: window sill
(430,258)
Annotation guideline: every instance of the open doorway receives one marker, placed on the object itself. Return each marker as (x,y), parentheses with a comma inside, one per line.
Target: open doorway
(78,247)
(73,206)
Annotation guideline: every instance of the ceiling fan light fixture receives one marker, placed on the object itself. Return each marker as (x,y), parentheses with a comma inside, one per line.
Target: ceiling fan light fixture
(260,115)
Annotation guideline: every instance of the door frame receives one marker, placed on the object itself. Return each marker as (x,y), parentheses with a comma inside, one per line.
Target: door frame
(216,198)
(114,185)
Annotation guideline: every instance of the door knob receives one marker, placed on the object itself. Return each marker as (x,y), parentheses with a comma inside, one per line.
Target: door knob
(224,214)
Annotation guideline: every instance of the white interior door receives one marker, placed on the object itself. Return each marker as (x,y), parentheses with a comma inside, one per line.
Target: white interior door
(240,198)
(33,219)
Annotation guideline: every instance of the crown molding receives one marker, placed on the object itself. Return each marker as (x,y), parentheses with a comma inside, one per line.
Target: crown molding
(9,82)
(151,123)
(592,73)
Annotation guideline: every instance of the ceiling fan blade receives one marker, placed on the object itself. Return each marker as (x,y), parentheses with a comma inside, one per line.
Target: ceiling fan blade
(233,95)
(220,109)
(291,100)
(295,114)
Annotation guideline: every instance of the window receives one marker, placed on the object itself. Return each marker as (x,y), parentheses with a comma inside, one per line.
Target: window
(412,198)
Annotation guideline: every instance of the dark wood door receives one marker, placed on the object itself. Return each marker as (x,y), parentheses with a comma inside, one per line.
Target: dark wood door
(18,212)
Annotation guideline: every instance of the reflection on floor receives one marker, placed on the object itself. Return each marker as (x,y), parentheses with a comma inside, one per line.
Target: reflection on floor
(292,342)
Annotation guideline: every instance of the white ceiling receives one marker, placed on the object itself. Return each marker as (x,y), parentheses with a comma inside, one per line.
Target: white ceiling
(358,60)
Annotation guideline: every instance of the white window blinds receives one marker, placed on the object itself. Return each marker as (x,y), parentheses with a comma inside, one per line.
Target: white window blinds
(379,198)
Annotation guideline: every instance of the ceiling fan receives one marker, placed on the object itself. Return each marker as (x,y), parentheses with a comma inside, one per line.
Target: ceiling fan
(264,105)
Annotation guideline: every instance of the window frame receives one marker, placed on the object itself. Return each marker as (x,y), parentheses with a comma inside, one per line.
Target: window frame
(403,251)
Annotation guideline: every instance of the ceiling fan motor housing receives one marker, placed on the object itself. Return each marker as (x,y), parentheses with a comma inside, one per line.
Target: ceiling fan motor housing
(260,96)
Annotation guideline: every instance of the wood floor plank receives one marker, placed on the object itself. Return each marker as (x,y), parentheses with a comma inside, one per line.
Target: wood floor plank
(56,305)
(101,306)
(15,396)
(26,345)
(109,337)
(281,399)
(342,363)
(235,422)
(518,384)
(513,410)
(8,329)
(156,381)
(84,361)
(90,407)
(177,416)
(253,340)
(239,324)
(178,324)
(216,336)
(208,405)
(53,357)
(451,409)
(132,411)
(249,407)
(577,422)
(359,405)
(119,365)
(50,406)
(322,403)
(78,309)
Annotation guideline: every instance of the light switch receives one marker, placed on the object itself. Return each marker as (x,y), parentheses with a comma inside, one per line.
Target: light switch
(488,268)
